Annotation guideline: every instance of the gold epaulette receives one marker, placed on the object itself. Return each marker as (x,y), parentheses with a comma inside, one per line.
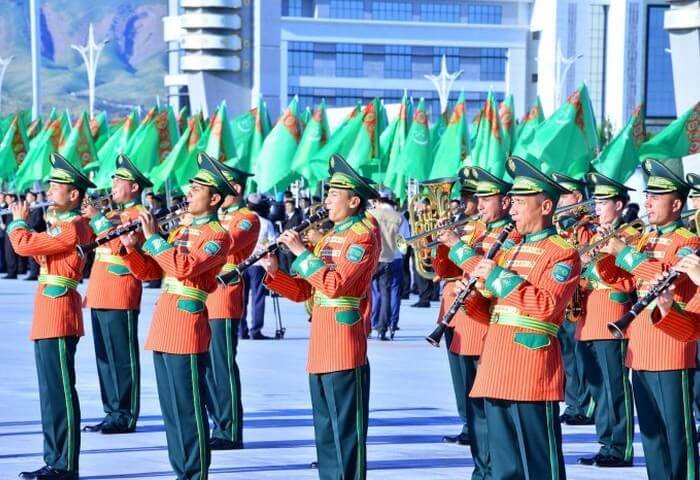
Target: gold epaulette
(685,233)
(245,210)
(174,233)
(560,242)
(216,226)
(360,228)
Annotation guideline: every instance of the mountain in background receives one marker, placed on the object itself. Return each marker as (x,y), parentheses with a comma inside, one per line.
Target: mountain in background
(131,68)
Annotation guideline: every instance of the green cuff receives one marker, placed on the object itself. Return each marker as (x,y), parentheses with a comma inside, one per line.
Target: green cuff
(501,282)
(460,253)
(155,245)
(307,264)
(629,259)
(100,224)
(15,224)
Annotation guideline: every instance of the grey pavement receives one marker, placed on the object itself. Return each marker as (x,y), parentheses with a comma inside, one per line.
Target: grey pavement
(411,407)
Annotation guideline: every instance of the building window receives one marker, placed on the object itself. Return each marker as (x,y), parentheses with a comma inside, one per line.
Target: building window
(439,12)
(659,96)
(397,61)
(348,60)
(596,56)
(488,14)
(492,64)
(298,8)
(301,58)
(388,10)
(347,9)
(452,57)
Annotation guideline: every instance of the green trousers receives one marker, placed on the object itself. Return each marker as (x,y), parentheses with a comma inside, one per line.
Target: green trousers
(118,366)
(60,410)
(181,391)
(224,381)
(524,440)
(476,420)
(576,392)
(665,414)
(609,383)
(696,381)
(459,381)
(340,402)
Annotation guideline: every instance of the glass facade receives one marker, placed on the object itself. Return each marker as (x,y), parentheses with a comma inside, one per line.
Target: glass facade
(298,8)
(659,96)
(596,56)
(388,10)
(347,8)
(440,12)
(394,61)
(489,14)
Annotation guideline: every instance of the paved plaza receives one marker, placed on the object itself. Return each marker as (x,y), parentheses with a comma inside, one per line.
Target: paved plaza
(411,407)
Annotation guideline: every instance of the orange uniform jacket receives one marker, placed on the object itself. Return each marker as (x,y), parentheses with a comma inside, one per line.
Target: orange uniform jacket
(338,275)
(602,302)
(189,262)
(57,305)
(112,286)
(649,347)
(534,281)
(243,226)
(470,330)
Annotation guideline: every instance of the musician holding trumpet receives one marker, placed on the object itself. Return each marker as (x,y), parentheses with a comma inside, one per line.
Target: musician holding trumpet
(114,297)
(58,318)
(662,366)
(338,274)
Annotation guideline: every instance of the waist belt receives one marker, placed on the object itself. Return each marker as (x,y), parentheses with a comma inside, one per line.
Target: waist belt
(515,320)
(324,301)
(228,267)
(109,258)
(174,286)
(57,280)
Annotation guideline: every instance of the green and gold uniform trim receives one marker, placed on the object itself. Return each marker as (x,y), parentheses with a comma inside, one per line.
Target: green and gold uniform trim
(15,224)
(306,264)
(501,282)
(100,224)
(343,302)
(124,174)
(176,287)
(155,244)
(58,281)
(661,185)
(68,398)
(506,316)
(204,219)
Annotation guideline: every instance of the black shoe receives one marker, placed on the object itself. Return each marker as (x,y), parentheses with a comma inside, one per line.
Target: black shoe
(260,336)
(609,461)
(10,276)
(94,428)
(222,444)
(589,460)
(383,337)
(461,439)
(31,278)
(579,420)
(421,305)
(245,336)
(112,429)
(392,332)
(313,465)
(50,473)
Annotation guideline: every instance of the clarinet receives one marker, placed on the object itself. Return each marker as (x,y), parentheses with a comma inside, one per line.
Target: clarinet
(124,229)
(618,328)
(435,337)
(235,274)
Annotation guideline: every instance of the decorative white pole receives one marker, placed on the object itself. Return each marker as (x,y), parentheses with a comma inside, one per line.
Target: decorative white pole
(443,83)
(565,63)
(91,55)
(36,58)
(4,62)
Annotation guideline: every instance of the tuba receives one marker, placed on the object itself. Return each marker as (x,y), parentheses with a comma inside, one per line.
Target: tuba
(425,211)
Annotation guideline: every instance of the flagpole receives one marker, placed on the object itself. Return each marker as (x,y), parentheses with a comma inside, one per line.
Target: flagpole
(91,55)
(36,58)
(4,62)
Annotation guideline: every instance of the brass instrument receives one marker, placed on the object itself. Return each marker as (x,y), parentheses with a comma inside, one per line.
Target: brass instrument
(403,243)
(424,222)
(592,248)
(577,210)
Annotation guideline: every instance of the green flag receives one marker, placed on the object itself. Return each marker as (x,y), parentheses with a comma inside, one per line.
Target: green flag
(438,128)
(526,129)
(79,148)
(566,142)
(489,152)
(273,166)
(218,139)
(364,156)
(680,138)
(415,159)
(249,130)
(620,157)
(392,145)
(99,129)
(314,138)
(506,114)
(180,165)
(343,138)
(107,155)
(13,148)
(36,165)
(454,144)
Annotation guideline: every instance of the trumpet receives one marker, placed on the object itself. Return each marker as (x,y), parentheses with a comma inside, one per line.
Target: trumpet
(234,275)
(618,328)
(132,226)
(595,246)
(577,208)
(403,243)
(8,210)
(435,337)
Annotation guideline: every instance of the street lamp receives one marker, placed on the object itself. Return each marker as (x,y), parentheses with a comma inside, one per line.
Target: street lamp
(565,63)
(4,62)
(443,83)
(91,55)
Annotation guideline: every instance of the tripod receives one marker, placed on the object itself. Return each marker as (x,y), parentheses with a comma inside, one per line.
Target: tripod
(279,330)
